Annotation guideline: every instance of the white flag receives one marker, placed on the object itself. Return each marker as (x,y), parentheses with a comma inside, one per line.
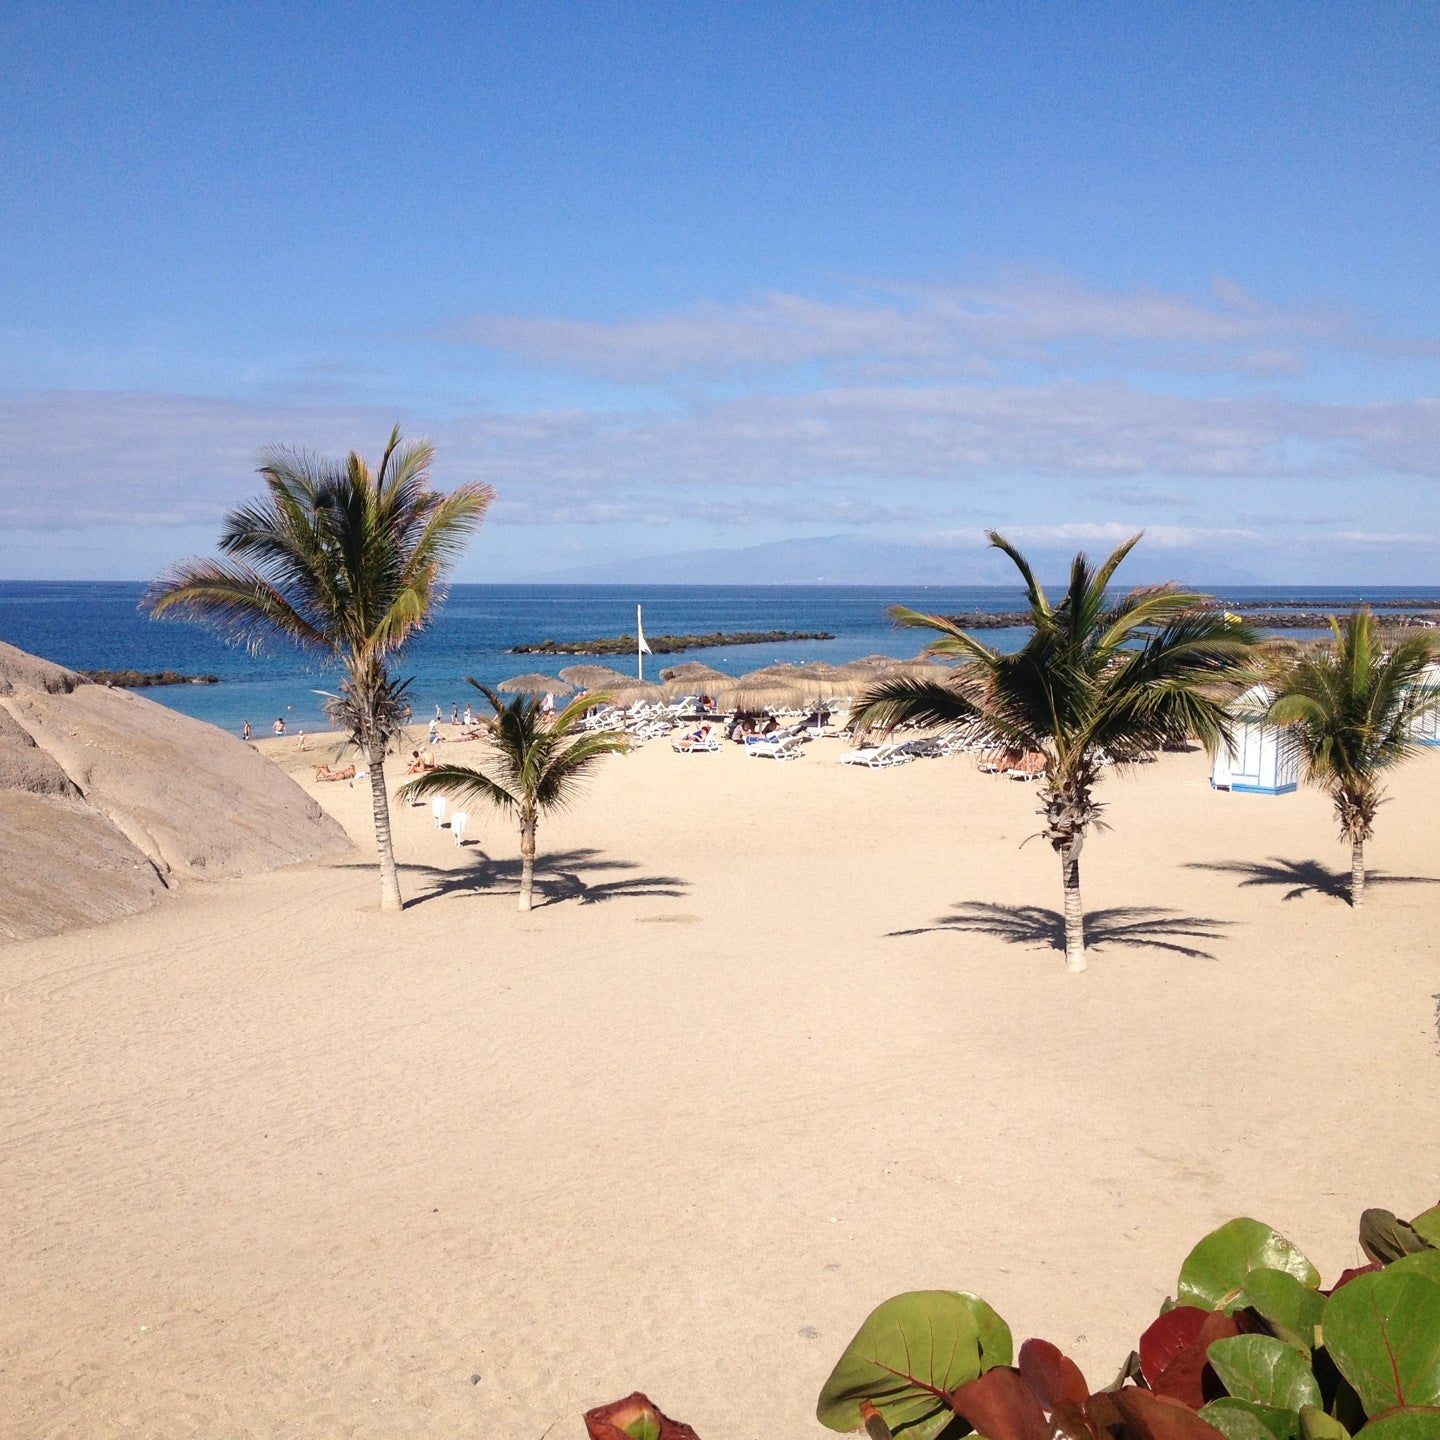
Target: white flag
(640,644)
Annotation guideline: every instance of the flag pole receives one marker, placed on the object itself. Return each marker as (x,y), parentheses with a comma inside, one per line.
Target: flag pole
(639,646)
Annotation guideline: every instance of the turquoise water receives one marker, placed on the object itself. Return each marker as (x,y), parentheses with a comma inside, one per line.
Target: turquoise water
(94,626)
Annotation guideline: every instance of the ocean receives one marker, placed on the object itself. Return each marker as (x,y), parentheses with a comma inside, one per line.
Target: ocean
(99,626)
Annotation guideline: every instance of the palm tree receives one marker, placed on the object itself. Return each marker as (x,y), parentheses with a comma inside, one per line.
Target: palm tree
(535,765)
(1352,709)
(346,563)
(1095,679)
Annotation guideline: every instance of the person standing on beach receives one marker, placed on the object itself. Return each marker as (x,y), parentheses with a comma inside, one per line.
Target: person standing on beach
(279,726)
(245,731)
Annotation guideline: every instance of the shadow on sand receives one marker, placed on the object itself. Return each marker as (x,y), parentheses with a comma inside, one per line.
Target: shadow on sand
(1298,878)
(1144,927)
(585,876)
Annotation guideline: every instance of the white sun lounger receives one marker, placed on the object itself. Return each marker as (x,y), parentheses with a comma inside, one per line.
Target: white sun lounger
(877,757)
(688,745)
(787,747)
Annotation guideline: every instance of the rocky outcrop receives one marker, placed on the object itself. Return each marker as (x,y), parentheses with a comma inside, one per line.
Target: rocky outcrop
(107,799)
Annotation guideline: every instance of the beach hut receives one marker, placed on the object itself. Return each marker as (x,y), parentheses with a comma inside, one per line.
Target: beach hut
(1426,730)
(1262,760)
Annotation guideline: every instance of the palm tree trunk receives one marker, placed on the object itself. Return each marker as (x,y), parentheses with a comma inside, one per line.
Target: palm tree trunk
(1074,910)
(1357,874)
(380,812)
(527,863)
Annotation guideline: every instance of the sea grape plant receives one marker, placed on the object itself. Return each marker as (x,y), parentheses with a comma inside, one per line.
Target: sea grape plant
(1251,1348)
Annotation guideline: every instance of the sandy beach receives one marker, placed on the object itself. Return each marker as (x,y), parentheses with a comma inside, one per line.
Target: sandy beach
(783,1041)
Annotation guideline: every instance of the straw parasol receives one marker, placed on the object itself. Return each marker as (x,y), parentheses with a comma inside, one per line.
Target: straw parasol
(693,670)
(633,690)
(770,688)
(595,677)
(693,677)
(534,684)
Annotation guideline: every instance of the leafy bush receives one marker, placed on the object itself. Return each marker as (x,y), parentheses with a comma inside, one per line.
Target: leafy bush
(1251,1348)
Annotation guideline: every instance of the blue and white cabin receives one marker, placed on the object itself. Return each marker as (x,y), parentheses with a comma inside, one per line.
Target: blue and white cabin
(1426,730)
(1264,761)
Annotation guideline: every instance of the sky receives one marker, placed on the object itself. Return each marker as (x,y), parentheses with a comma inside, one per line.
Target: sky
(718,281)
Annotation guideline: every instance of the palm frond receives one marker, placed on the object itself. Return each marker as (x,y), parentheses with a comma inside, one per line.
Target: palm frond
(465,784)
(905,699)
(233,600)
(1039,602)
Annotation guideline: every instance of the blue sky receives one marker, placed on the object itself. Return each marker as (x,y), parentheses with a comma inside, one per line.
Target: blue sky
(686,278)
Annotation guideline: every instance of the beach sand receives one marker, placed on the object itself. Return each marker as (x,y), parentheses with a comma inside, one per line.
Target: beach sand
(276,1164)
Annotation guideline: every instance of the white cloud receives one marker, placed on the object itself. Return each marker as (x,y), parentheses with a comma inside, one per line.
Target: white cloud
(934,329)
(1111,533)
(851,455)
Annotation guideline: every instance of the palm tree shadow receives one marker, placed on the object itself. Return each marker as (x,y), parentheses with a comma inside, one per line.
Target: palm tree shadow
(1298,878)
(565,875)
(1146,927)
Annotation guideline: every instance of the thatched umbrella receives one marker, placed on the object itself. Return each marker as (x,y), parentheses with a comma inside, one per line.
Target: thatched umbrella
(693,678)
(595,677)
(821,680)
(633,690)
(773,687)
(534,684)
(696,670)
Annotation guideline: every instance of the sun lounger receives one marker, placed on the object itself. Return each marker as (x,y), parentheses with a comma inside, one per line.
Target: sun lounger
(437,810)
(877,757)
(1028,767)
(458,821)
(773,747)
(696,744)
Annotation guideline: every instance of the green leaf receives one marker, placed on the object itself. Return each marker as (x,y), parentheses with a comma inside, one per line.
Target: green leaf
(1214,1273)
(905,1359)
(1410,1423)
(1383,1332)
(644,1427)
(1291,1309)
(1265,1371)
(1427,1225)
(1244,1420)
(1422,1262)
(997,1345)
(1315,1424)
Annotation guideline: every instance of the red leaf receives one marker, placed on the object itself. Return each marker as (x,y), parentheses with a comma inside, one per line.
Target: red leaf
(1153,1417)
(1185,1378)
(1001,1406)
(1054,1378)
(1346,1276)
(1174,1331)
(1077,1422)
(613,1421)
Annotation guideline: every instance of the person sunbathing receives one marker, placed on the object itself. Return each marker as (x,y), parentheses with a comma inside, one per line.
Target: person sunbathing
(420,761)
(696,739)
(324,772)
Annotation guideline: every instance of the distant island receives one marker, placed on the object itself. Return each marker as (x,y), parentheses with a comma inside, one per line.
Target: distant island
(667,644)
(137,679)
(1274,615)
